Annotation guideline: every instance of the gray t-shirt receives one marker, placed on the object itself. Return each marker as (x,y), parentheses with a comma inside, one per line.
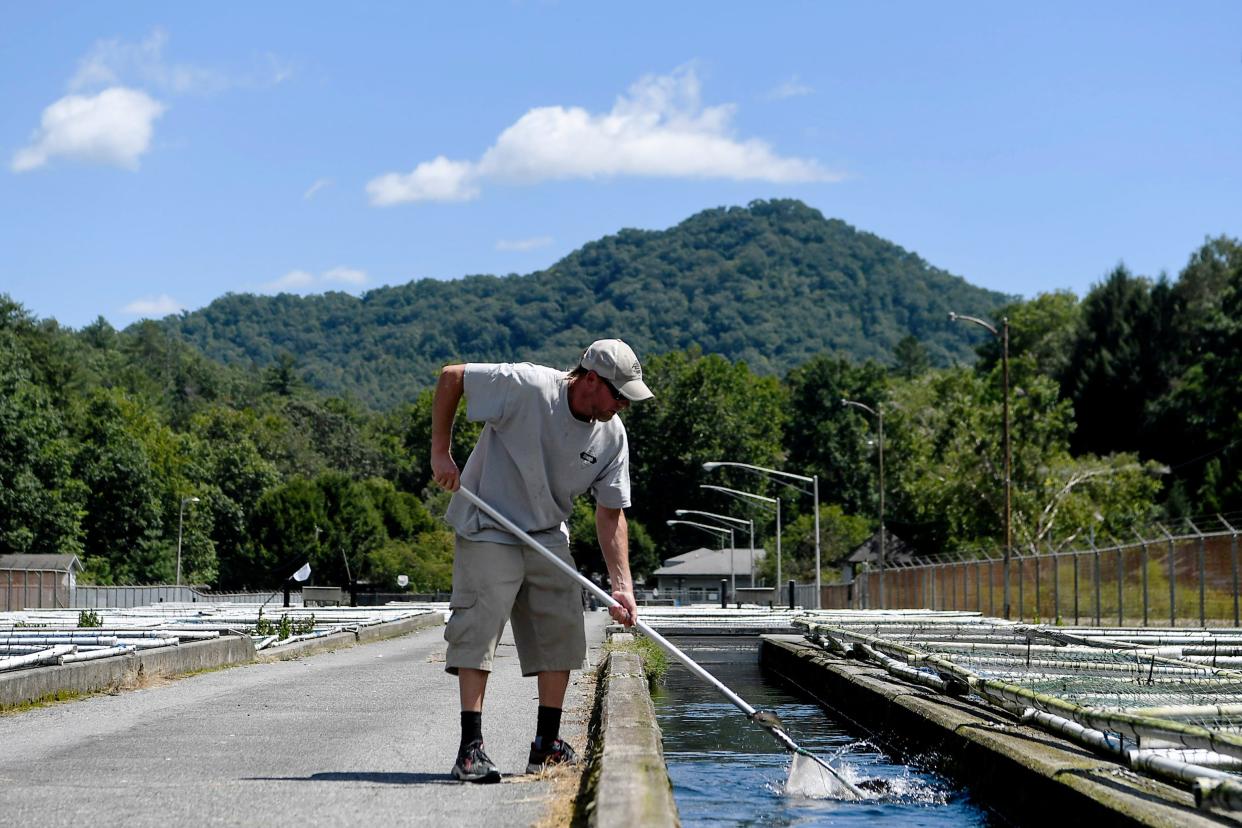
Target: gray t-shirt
(534,457)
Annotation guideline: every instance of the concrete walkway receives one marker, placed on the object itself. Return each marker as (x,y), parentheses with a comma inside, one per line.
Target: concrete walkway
(360,736)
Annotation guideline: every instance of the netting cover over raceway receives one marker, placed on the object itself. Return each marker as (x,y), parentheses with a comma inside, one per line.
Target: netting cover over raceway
(1167,702)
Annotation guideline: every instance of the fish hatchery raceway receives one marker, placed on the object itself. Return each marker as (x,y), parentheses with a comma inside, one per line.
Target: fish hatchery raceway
(365,735)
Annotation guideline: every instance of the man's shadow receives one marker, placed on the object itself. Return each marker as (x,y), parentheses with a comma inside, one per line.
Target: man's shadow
(378,777)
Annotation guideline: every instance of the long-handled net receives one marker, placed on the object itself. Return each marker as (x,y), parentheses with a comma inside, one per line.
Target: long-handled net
(809,775)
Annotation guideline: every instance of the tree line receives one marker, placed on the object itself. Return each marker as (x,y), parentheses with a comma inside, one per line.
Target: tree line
(1124,411)
(771,284)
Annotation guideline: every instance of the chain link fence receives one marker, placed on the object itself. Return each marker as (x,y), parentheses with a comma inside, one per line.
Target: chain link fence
(1185,578)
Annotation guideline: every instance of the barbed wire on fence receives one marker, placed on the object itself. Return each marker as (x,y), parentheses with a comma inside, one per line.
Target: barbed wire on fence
(1179,529)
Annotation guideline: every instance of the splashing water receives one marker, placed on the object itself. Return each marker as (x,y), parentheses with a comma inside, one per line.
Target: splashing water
(811,779)
(909,788)
(728,773)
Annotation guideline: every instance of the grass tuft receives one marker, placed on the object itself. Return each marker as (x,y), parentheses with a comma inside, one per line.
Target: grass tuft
(655,660)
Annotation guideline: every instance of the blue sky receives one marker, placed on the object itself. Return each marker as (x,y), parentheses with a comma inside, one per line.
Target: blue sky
(156,156)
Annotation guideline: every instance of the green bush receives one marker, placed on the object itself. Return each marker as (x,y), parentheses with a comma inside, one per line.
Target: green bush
(285,627)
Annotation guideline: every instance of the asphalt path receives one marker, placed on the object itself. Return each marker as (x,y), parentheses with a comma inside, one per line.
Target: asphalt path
(361,736)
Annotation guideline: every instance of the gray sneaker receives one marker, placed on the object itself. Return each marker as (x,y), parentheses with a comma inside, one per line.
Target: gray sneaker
(473,765)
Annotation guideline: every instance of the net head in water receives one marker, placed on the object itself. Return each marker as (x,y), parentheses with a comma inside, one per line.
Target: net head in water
(810,778)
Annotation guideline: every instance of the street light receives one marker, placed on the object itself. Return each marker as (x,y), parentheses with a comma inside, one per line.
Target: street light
(1003,336)
(813,480)
(879,415)
(180,525)
(750,524)
(723,531)
(764,499)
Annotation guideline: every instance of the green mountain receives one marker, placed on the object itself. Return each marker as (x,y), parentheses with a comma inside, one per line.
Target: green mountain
(772,284)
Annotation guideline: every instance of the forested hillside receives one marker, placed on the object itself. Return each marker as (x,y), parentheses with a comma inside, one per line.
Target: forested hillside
(105,437)
(772,284)
(1124,412)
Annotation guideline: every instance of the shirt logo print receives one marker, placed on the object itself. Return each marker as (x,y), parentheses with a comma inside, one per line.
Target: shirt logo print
(587,457)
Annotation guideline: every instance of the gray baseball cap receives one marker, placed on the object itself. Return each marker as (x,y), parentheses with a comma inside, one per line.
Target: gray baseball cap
(616,362)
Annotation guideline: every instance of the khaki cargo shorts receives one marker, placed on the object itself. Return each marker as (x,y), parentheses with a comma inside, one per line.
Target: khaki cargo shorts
(498,582)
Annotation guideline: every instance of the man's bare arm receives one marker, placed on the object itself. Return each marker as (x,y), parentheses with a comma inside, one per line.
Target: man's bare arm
(449,389)
(614,542)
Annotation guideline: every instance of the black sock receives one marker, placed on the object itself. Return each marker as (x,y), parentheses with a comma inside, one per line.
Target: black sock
(471,727)
(548,726)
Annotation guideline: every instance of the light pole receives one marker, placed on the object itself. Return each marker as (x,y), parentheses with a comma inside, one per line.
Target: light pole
(878,413)
(762,499)
(750,524)
(722,531)
(1003,336)
(180,526)
(814,493)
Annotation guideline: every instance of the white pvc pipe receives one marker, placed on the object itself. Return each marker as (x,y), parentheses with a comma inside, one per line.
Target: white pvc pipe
(99,641)
(303,637)
(1179,711)
(1160,763)
(1194,756)
(101,632)
(1183,772)
(52,654)
(147,643)
(1218,793)
(905,671)
(1098,739)
(104,652)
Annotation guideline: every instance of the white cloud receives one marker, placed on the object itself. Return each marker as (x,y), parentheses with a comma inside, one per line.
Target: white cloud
(660,128)
(115,61)
(292,281)
(345,276)
(279,70)
(522,245)
(113,127)
(301,281)
(792,88)
(437,180)
(315,188)
(110,62)
(151,307)
(108,116)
